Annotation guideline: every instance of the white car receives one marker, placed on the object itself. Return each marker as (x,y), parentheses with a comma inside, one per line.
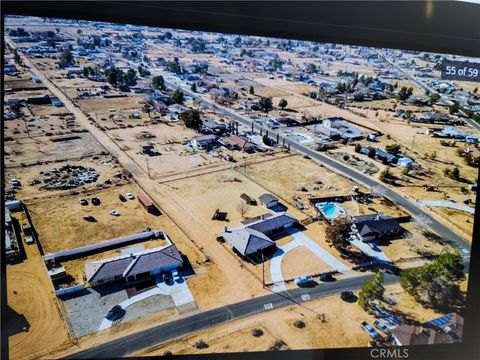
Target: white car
(114,213)
(130,196)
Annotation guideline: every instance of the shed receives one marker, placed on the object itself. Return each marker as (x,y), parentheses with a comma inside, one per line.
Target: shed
(268,200)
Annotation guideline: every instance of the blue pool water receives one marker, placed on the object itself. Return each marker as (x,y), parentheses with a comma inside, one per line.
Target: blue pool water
(331,210)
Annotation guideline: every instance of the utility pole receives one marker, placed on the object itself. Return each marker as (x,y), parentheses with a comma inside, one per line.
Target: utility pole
(413,141)
(148,168)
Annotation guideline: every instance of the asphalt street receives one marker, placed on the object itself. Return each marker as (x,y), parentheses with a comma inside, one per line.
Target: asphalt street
(175,329)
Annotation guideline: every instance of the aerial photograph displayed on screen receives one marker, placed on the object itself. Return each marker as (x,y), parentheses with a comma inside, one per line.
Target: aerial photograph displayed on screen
(172,191)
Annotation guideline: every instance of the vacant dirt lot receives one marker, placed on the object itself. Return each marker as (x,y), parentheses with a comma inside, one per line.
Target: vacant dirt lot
(41,149)
(30,294)
(310,264)
(341,329)
(73,231)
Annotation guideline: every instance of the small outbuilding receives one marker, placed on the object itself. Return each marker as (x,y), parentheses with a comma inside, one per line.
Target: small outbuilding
(268,200)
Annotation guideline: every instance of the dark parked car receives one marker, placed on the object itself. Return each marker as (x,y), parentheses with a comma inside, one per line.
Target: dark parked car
(113,312)
(89,218)
(346,295)
(95,201)
(122,198)
(326,277)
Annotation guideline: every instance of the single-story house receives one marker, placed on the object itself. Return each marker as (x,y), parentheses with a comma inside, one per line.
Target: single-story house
(141,265)
(214,127)
(203,141)
(405,162)
(268,200)
(38,100)
(347,131)
(249,243)
(272,224)
(444,330)
(375,227)
(239,143)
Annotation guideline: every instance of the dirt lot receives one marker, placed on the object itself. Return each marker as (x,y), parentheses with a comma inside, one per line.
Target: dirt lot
(310,264)
(105,165)
(42,149)
(67,212)
(30,294)
(342,328)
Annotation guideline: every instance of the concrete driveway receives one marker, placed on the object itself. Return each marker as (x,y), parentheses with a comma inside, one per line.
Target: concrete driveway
(448,204)
(299,240)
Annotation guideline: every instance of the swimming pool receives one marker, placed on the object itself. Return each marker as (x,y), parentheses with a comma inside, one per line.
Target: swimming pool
(331,210)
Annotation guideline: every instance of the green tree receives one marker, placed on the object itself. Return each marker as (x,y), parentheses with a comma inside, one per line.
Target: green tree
(251,90)
(371,290)
(371,153)
(337,233)
(283,104)
(311,68)
(393,149)
(358,147)
(193,87)
(66,58)
(265,104)
(177,97)
(385,175)
(131,77)
(192,119)
(434,98)
(158,82)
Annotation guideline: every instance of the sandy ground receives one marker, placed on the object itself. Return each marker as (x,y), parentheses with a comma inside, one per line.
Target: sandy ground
(73,231)
(342,328)
(30,294)
(27,192)
(301,261)
(42,149)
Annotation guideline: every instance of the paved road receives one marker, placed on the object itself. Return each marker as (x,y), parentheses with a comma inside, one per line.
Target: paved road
(158,334)
(336,166)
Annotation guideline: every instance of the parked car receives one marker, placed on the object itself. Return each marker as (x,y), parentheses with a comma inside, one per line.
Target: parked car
(369,328)
(95,201)
(130,196)
(381,326)
(89,218)
(122,198)
(83,202)
(303,280)
(326,277)
(114,212)
(346,295)
(113,313)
